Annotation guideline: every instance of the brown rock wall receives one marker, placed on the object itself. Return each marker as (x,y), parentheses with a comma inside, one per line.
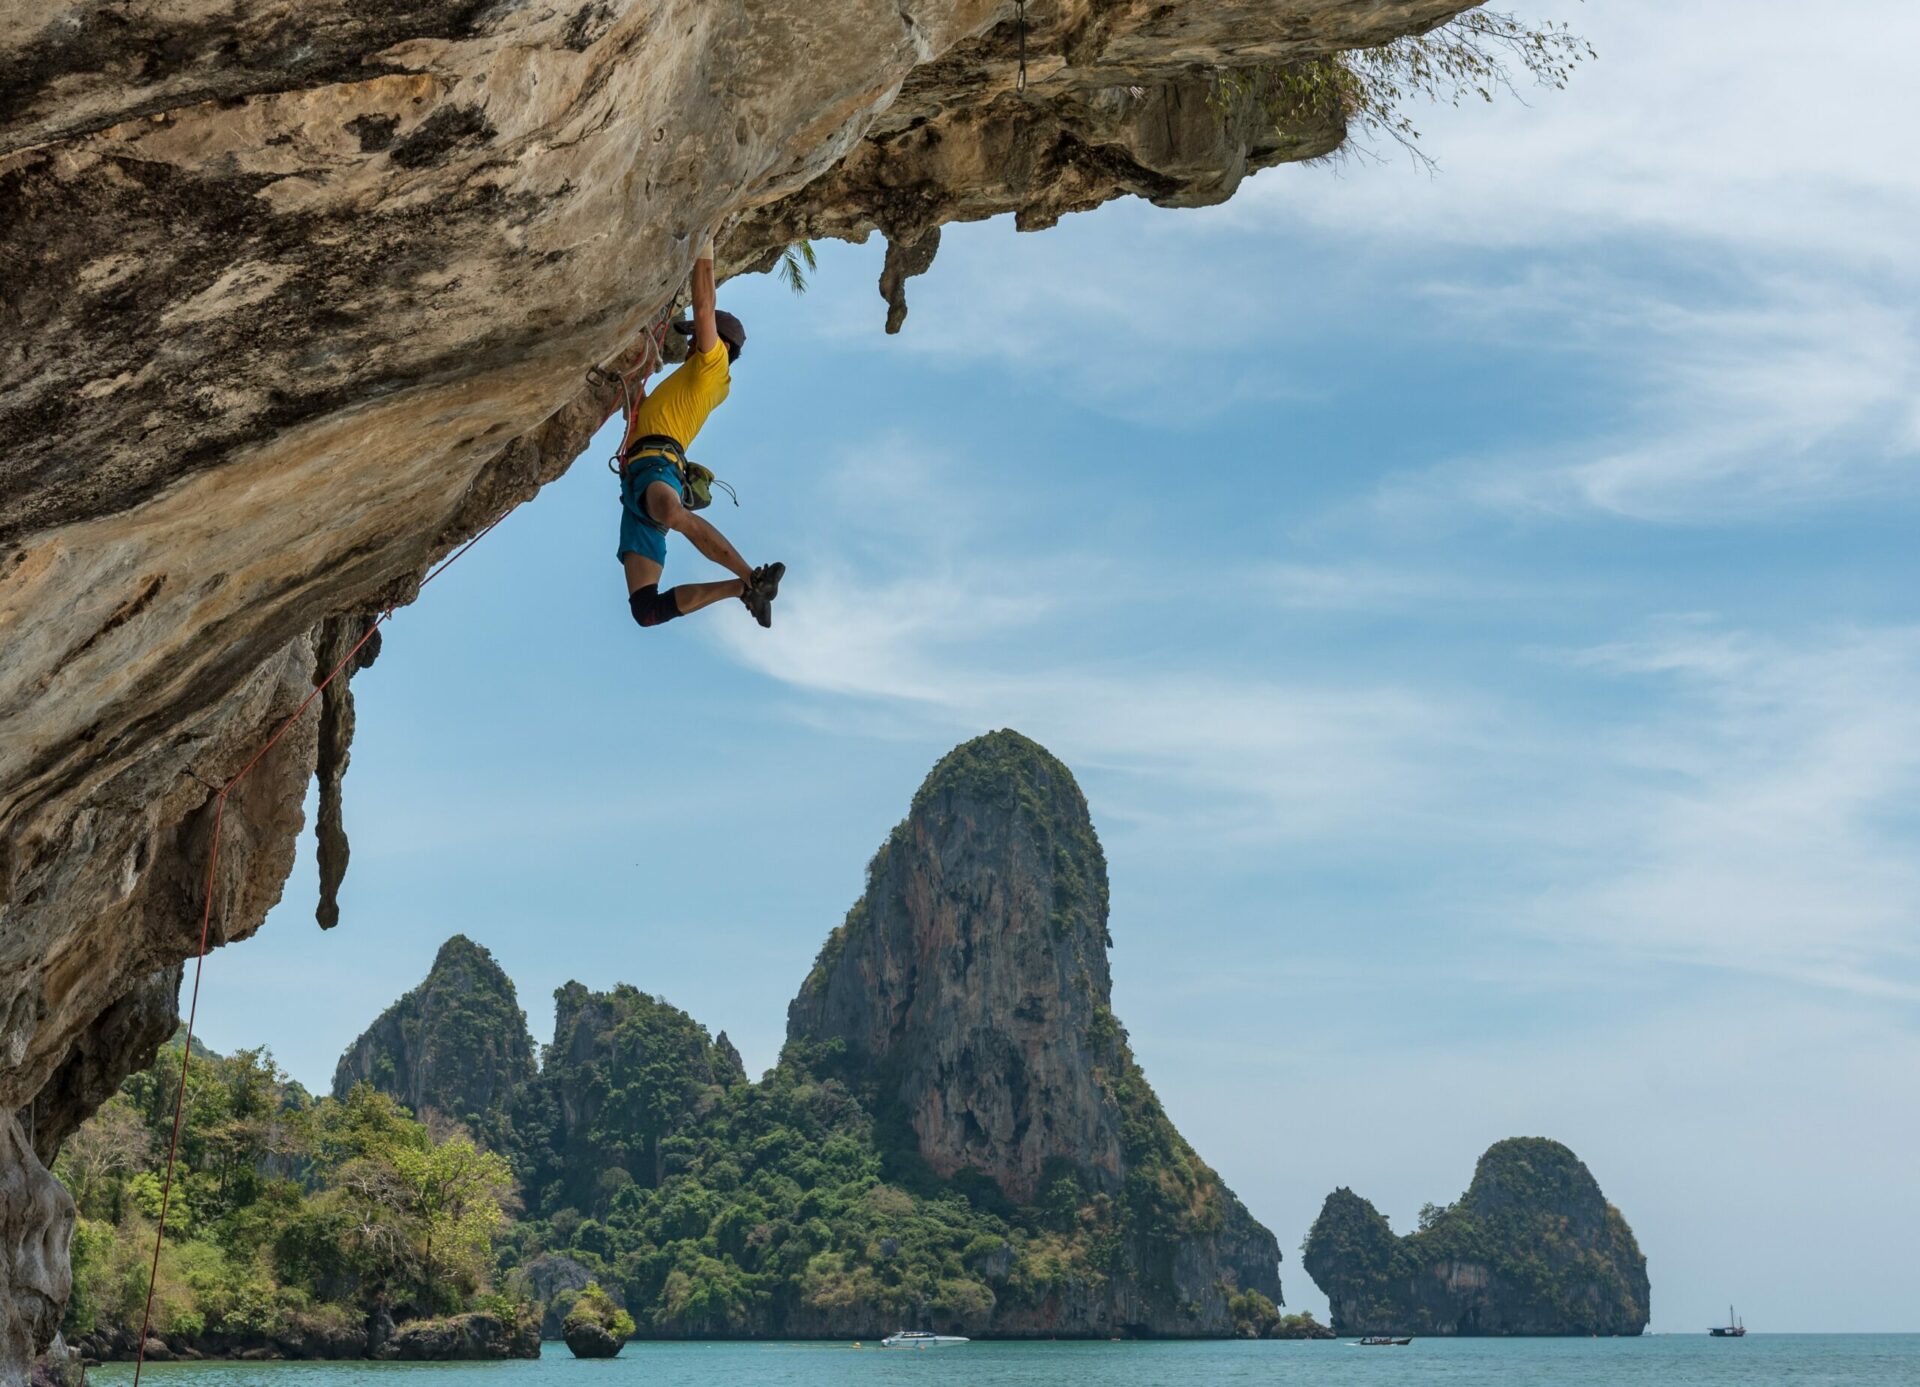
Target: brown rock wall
(299,295)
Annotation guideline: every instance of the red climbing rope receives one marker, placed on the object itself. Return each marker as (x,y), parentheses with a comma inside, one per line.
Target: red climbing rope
(206,920)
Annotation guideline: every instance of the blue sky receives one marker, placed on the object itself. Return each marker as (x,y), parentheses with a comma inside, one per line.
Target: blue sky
(1479,608)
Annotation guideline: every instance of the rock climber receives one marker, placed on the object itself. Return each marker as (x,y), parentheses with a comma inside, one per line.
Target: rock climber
(657,482)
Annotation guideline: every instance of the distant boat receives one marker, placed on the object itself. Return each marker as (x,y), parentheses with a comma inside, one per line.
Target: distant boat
(1382,1341)
(1732,1329)
(919,1338)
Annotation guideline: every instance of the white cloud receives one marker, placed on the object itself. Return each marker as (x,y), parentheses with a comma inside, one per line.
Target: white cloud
(1739,247)
(1745,126)
(1749,810)
(1360,585)
(1801,396)
(1768,828)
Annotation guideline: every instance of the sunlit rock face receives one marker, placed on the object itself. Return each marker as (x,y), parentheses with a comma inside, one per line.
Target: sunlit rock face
(968,996)
(297,296)
(972,975)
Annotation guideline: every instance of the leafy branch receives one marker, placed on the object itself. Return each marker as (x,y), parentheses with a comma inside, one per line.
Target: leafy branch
(1477,53)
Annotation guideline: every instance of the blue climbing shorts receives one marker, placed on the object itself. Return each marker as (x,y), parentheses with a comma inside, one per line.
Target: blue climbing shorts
(638,532)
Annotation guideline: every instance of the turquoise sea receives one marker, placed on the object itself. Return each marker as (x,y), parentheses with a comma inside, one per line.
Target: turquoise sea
(1804,1360)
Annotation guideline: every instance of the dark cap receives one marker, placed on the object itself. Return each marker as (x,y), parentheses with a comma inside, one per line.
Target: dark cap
(729,327)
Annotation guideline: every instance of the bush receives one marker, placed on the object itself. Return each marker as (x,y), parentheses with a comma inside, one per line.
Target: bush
(594,1306)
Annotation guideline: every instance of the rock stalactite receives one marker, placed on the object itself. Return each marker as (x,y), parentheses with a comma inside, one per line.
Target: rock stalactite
(299,296)
(340,646)
(36,1225)
(905,259)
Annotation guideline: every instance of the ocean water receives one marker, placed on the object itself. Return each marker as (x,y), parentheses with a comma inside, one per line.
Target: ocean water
(1803,1360)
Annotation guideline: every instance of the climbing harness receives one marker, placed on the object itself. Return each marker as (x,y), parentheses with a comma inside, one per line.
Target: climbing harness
(699,480)
(1020,18)
(206,921)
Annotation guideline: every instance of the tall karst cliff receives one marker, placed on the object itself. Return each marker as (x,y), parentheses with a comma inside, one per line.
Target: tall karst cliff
(299,295)
(967,996)
(457,1045)
(1532,1248)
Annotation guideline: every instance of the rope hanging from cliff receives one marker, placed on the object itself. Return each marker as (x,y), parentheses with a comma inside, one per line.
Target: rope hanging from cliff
(206,920)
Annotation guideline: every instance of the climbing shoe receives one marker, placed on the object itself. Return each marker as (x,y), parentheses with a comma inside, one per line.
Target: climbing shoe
(762,588)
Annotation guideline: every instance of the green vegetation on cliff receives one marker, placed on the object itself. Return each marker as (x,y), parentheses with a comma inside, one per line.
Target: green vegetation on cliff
(956,1135)
(791,1206)
(1532,1247)
(716,1207)
(625,1070)
(456,1045)
(290,1220)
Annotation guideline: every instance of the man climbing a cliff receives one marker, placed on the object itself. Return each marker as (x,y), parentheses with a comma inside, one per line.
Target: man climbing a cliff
(657,482)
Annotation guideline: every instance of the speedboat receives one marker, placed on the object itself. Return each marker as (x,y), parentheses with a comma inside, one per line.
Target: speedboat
(919,1338)
(1382,1341)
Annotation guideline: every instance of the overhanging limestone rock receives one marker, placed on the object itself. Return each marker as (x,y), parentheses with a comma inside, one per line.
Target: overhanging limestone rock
(299,293)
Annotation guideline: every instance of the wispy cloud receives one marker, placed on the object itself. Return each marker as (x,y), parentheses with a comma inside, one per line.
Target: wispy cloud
(1744,801)
(1769,825)
(1799,397)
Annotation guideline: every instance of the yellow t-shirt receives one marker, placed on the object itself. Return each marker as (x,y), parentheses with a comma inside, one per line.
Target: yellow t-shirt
(680,404)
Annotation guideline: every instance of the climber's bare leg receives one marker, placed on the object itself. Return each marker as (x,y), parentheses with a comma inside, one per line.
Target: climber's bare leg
(691,597)
(688,597)
(664,505)
(641,572)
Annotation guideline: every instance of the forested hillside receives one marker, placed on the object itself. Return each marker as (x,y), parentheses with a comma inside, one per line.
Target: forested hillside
(295,1226)
(955,1136)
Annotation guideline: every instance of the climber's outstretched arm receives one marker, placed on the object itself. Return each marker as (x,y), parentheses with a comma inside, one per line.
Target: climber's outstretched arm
(705,334)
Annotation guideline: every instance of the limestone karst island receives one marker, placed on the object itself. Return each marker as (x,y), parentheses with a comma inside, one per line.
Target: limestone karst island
(1368,538)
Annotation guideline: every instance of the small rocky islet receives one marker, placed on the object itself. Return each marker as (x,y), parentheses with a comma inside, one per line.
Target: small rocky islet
(1532,1248)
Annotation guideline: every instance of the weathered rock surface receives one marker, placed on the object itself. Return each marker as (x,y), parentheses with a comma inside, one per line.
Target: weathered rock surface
(591,1341)
(970,987)
(1532,1248)
(456,1045)
(974,970)
(462,1337)
(546,1281)
(59,1366)
(298,296)
(36,1226)
(317,1337)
